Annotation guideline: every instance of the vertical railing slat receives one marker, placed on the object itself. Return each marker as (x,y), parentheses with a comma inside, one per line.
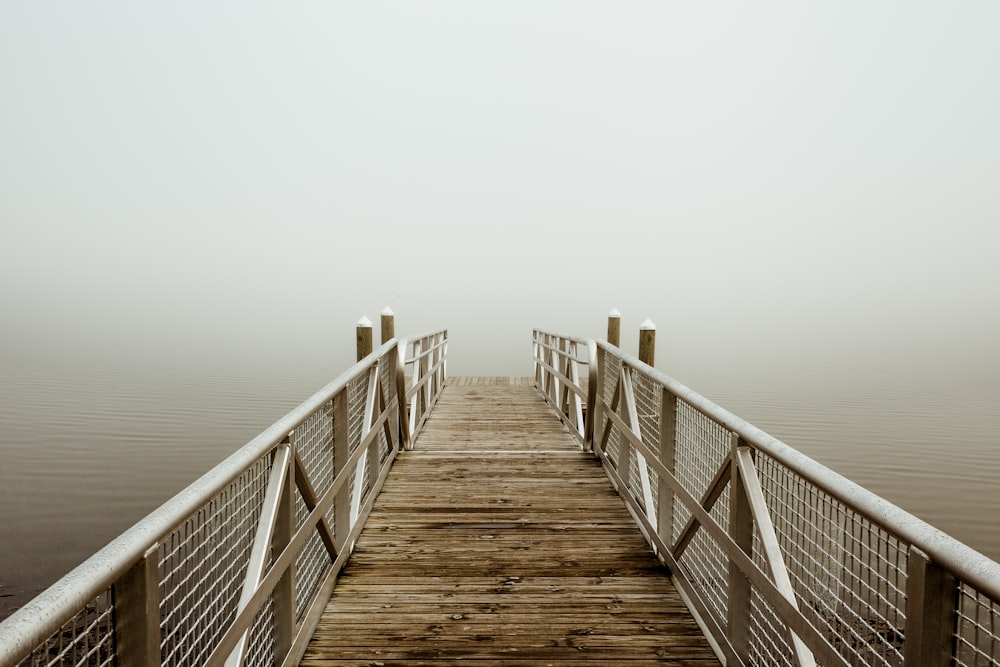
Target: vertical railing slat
(341,453)
(668,457)
(931,612)
(136,599)
(284,591)
(741,532)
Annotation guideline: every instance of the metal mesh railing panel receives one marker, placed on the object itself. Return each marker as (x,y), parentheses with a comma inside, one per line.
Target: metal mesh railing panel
(385,383)
(610,372)
(977,632)
(357,393)
(702,446)
(314,443)
(848,574)
(769,641)
(260,647)
(310,566)
(86,640)
(706,568)
(647,406)
(203,565)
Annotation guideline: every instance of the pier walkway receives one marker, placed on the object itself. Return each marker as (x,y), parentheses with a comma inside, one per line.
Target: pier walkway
(597,513)
(497,541)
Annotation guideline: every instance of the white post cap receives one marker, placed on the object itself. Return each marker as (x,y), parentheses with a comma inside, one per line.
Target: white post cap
(387,312)
(647,325)
(364,322)
(614,313)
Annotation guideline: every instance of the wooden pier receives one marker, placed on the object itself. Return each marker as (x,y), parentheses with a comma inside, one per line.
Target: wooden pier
(514,521)
(497,541)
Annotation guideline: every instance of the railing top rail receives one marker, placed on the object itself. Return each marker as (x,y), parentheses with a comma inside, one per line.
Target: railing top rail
(425,334)
(52,607)
(962,560)
(575,339)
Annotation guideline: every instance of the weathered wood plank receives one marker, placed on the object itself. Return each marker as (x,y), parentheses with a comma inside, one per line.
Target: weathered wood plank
(496,541)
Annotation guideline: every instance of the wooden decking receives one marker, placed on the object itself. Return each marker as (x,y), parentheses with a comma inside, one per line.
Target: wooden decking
(497,542)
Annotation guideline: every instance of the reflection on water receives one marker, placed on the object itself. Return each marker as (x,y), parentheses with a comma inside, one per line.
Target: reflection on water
(87,451)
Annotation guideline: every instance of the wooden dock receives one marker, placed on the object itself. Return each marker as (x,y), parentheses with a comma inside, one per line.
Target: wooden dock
(496,541)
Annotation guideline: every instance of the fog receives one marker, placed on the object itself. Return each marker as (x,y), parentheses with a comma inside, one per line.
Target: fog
(773,184)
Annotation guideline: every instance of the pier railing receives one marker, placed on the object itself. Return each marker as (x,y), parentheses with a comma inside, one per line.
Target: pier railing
(562,364)
(235,569)
(426,356)
(783,561)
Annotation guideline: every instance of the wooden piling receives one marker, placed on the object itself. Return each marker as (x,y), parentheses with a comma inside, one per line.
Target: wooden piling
(647,342)
(388,325)
(615,327)
(364,338)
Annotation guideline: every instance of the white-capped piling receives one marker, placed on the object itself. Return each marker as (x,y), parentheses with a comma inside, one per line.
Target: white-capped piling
(647,342)
(615,327)
(388,325)
(364,331)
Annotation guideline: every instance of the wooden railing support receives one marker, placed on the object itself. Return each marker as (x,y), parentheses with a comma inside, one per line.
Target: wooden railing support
(341,453)
(284,591)
(931,604)
(136,598)
(668,446)
(741,531)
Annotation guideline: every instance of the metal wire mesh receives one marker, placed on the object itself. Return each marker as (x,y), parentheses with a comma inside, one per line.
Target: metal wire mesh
(357,392)
(86,640)
(977,633)
(702,446)
(769,640)
(706,568)
(700,449)
(610,370)
(313,441)
(386,390)
(260,647)
(203,565)
(848,574)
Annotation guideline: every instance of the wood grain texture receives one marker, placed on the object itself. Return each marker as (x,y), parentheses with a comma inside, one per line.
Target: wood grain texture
(496,541)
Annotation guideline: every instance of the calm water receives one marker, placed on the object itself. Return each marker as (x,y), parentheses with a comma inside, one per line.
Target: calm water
(90,449)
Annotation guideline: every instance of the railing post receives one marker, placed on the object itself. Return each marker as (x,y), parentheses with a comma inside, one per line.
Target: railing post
(341,453)
(668,448)
(597,430)
(647,342)
(741,530)
(615,327)
(388,325)
(399,385)
(535,357)
(136,598)
(931,612)
(364,337)
(284,590)
(593,386)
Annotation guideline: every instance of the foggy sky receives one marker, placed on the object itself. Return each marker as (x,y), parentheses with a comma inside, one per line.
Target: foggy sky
(766,181)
